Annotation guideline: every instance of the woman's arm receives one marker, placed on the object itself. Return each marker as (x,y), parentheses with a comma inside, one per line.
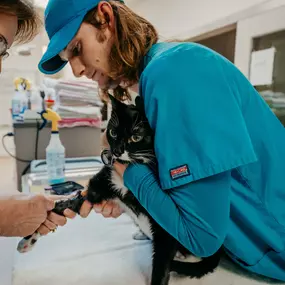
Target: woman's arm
(196,214)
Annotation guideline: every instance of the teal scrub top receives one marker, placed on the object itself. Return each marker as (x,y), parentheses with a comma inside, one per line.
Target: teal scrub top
(221,158)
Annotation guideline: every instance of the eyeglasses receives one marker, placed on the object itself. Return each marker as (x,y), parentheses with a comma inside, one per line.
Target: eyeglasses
(3,46)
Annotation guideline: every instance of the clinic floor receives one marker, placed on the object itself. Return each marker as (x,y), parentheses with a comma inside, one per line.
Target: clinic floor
(7,245)
(8,175)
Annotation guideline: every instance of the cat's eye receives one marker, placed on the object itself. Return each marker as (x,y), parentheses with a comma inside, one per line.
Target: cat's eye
(113,134)
(136,138)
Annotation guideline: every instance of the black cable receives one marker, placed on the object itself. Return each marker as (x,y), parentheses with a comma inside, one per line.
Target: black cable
(27,168)
(37,140)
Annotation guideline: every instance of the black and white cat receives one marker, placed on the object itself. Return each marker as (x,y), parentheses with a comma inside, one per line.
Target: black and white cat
(131,141)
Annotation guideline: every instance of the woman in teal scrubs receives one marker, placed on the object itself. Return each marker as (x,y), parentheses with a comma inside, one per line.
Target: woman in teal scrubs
(220,149)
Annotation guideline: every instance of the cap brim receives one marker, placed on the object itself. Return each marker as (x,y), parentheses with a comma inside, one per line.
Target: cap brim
(51,62)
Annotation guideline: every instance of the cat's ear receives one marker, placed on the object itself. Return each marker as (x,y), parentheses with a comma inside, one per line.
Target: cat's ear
(115,102)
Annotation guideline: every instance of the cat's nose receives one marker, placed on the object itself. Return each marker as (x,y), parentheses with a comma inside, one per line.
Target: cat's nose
(118,152)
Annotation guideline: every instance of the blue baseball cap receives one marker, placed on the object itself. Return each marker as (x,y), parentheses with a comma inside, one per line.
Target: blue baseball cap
(63,19)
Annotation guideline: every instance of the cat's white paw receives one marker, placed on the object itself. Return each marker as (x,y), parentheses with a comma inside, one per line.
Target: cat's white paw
(26,245)
(140,236)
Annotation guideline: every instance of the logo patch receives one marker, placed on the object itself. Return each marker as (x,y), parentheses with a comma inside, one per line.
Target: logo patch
(179,172)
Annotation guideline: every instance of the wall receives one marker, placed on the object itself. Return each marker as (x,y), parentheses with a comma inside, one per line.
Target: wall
(262,24)
(223,43)
(185,18)
(15,66)
(40,3)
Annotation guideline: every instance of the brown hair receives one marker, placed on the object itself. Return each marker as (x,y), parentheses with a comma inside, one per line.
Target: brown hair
(134,36)
(28,20)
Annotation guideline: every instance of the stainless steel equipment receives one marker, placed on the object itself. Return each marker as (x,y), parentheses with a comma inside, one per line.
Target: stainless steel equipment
(36,182)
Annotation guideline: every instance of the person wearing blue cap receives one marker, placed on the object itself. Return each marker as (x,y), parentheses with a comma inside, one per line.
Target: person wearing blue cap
(219,147)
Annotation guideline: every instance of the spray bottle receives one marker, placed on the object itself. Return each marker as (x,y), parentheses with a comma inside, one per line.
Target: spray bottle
(55,151)
(19,100)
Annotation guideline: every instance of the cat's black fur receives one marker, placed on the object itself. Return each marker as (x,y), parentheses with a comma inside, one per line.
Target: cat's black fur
(128,132)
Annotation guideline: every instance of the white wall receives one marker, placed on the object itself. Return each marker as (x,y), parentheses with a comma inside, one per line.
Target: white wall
(40,3)
(17,66)
(183,18)
(262,24)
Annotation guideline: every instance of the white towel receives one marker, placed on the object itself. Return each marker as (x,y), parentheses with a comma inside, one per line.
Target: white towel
(100,251)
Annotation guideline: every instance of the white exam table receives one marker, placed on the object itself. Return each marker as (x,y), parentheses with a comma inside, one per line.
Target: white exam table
(101,251)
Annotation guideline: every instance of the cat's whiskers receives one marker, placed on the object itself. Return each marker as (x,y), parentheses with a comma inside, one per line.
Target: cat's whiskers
(143,150)
(134,162)
(147,157)
(142,153)
(152,163)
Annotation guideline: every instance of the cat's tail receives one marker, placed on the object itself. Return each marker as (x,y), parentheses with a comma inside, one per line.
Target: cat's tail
(196,269)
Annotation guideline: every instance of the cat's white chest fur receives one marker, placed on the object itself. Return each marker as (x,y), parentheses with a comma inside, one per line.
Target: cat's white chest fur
(141,220)
(118,183)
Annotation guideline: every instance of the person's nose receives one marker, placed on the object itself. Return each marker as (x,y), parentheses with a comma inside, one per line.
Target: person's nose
(78,68)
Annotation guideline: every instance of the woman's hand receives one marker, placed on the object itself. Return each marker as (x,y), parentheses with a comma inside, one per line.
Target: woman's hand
(120,168)
(108,209)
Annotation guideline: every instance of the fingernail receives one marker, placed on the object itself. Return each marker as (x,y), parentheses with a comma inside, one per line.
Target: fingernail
(107,211)
(68,212)
(84,214)
(97,209)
